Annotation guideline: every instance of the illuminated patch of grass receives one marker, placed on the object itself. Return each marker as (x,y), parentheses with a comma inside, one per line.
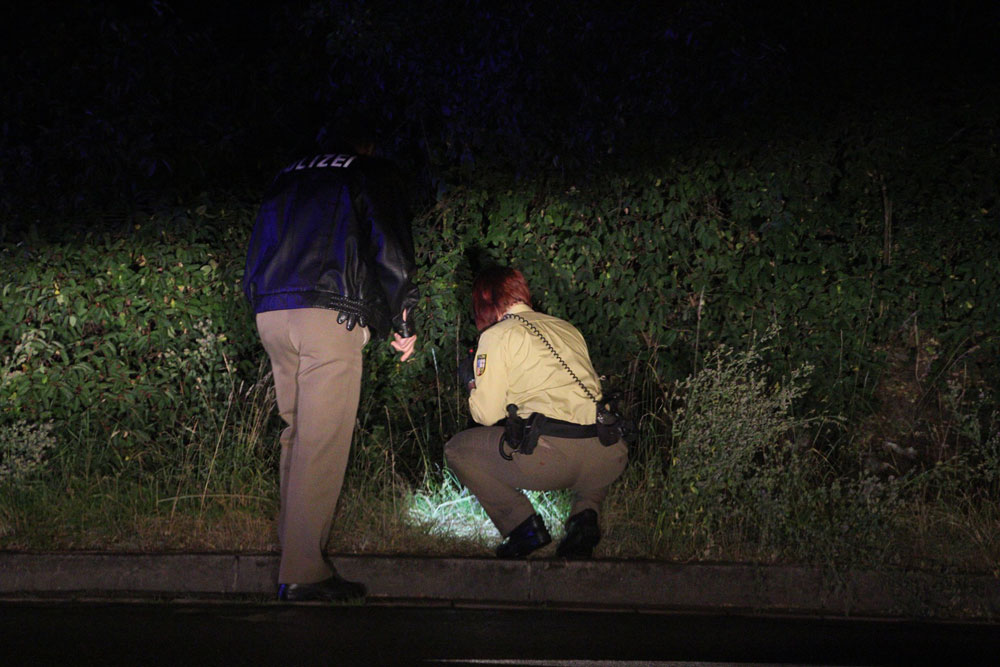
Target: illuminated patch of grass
(448,509)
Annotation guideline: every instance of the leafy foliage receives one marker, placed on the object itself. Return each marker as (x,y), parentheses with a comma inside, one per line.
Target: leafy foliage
(137,334)
(23,448)
(670,179)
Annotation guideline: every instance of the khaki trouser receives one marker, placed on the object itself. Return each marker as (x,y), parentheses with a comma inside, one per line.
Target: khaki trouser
(583,465)
(317,378)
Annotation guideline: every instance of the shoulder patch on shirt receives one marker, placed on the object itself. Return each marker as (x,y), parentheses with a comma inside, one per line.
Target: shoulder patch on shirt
(480,364)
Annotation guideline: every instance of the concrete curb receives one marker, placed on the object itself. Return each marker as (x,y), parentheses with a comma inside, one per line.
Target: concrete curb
(715,587)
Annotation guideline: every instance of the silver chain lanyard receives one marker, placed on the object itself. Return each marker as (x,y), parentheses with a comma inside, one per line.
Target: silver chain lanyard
(533,329)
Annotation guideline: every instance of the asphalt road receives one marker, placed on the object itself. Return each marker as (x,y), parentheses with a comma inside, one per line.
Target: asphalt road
(172,633)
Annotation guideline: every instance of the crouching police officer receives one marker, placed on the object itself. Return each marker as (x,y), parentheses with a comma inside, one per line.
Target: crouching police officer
(535,392)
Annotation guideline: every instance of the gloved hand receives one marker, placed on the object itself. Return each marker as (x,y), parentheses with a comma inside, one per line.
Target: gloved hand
(351,320)
(466,371)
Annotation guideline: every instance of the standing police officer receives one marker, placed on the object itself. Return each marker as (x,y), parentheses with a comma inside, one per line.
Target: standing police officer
(330,264)
(535,393)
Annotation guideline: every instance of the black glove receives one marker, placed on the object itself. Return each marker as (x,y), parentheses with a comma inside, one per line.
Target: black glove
(466,371)
(351,320)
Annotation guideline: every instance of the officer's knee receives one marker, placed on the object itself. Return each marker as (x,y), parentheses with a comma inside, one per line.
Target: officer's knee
(457,450)
(452,452)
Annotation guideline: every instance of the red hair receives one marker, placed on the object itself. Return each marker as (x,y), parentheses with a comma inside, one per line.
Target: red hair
(495,290)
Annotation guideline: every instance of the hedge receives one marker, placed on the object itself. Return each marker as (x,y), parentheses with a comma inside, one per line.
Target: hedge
(839,241)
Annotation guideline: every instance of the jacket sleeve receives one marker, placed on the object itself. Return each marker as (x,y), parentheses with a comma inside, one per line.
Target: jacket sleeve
(260,250)
(488,401)
(392,240)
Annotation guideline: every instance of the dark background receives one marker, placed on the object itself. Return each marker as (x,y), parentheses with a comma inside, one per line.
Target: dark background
(109,107)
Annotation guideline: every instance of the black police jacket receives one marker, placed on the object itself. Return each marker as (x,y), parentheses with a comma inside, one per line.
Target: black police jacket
(333,232)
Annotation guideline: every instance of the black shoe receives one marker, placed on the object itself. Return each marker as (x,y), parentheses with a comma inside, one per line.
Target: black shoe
(531,534)
(334,589)
(582,535)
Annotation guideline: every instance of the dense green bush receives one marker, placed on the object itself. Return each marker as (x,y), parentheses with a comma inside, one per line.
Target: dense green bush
(118,336)
(126,341)
(719,242)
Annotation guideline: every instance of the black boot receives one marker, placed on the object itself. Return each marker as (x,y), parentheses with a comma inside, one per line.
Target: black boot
(334,589)
(582,535)
(531,534)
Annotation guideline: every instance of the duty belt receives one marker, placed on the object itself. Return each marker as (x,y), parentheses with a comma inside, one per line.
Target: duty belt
(522,435)
(558,428)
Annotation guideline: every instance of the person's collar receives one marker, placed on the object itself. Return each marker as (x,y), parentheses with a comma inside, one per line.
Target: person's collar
(519,307)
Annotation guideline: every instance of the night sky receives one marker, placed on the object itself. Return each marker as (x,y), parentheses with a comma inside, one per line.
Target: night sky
(113,104)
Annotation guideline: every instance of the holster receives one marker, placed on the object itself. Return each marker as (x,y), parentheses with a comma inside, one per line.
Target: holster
(611,425)
(521,434)
(608,434)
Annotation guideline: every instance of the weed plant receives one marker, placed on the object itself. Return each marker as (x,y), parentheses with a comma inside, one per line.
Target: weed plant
(744,474)
(23,447)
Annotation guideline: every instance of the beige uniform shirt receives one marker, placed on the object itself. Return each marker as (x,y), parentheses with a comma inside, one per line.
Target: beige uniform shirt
(513,365)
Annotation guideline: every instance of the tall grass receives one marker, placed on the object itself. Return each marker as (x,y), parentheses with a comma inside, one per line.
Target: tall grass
(725,469)
(189,490)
